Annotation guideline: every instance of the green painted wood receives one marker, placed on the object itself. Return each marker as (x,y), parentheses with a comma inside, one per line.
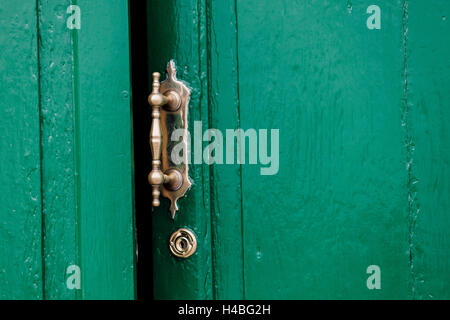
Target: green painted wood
(177,30)
(103,138)
(363,148)
(20,189)
(226,192)
(339,201)
(59,165)
(67,193)
(428,99)
(87,152)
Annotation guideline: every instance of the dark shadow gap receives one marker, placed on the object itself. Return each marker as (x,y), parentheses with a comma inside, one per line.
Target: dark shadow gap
(141,125)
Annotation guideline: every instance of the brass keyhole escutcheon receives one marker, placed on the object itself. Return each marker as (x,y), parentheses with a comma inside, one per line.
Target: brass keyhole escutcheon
(183,243)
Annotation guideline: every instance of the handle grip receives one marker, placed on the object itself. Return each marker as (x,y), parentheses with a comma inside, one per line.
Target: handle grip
(156,177)
(169,97)
(173,179)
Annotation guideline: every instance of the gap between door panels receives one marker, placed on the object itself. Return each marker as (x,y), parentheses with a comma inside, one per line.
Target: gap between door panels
(141,125)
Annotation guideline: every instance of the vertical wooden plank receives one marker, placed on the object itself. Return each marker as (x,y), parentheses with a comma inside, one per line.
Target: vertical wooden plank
(105,192)
(87,153)
(20,191)
(177,30)
(226,193)
(59,167)
(338,204)
(428,115)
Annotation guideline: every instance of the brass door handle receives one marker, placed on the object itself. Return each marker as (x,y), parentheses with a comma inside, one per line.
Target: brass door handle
(169,101)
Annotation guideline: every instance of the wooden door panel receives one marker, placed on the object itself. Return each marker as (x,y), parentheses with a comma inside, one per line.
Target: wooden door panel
(177,30)
(338,204)
(20,168)
(67,197)
(60,145)
(362,147)
(106,186)
(226,188)
(428,143)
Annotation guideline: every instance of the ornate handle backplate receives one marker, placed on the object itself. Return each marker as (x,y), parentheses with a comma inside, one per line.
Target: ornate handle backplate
(169,101)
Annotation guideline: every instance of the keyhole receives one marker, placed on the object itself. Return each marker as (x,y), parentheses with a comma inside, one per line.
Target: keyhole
(182,243)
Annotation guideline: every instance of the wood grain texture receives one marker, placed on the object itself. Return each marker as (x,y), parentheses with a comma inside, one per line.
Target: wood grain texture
(66,114)
(177,30)
(59,158)
(362,149)
(21,275)
(339,202)
(226,192)
(105,151)
(428,99)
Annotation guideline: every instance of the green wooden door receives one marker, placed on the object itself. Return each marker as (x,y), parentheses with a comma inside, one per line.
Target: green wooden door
(359,94)
(66,194)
